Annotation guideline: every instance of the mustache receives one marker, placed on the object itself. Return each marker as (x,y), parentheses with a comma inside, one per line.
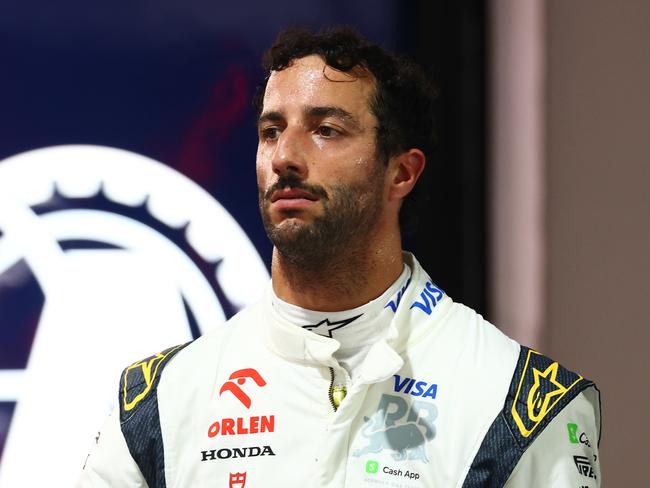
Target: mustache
(293,181)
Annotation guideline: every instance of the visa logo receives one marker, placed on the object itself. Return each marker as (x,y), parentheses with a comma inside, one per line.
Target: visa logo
(414,387)
(430,296)
(393,304)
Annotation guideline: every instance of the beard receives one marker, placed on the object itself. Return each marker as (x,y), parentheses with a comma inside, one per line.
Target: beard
(350,213)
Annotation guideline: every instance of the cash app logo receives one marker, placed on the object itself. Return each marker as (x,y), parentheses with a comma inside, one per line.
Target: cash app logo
(573,429)
(372,467)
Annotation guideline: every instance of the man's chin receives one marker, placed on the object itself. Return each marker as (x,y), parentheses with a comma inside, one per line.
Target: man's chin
(299,219)
(290,227)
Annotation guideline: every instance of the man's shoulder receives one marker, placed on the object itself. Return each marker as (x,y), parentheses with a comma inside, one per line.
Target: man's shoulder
(141,379)
(540,389)
(468,332)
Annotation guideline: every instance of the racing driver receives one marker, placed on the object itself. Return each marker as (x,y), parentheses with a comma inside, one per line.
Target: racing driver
(355,369)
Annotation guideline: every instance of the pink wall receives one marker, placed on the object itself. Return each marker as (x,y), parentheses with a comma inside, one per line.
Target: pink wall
(570,201)
(516,125)
(598,214)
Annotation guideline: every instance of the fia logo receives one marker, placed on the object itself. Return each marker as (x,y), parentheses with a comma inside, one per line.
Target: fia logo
(415,387)
(241,375)
(400,428)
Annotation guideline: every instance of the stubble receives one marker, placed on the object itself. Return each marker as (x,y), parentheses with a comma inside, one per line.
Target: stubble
(339,236)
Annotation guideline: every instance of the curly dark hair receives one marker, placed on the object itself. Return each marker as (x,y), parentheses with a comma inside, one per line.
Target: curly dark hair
(403,102)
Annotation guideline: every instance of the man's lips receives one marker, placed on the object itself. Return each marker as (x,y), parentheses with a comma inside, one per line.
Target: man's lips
(292,194)
(291,199)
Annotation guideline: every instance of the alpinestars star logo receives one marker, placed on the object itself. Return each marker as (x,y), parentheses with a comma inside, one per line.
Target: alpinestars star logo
(325,327)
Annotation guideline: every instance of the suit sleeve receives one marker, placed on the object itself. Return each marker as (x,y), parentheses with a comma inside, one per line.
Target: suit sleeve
(566,453)
(109,463)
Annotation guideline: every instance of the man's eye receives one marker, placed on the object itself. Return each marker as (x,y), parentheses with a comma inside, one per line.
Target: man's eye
(270,133)
(327,131)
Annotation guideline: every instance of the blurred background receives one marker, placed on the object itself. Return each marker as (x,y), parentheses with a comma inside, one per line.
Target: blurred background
(138,228)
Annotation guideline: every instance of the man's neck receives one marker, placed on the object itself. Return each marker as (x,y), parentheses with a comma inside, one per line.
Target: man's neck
(347,282)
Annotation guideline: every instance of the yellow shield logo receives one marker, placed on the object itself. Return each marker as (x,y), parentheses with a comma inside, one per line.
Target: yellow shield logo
(141,375)
(542,385)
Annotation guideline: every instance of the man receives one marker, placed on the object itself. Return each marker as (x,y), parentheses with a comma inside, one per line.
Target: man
(355,369)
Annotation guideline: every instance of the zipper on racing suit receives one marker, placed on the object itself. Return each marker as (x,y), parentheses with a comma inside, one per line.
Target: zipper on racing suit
(336,393)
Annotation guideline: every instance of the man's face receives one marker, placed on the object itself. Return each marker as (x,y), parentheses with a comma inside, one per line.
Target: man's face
(320,183)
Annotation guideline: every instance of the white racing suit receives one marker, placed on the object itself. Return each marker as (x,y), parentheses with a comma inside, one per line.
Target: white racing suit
(445,400)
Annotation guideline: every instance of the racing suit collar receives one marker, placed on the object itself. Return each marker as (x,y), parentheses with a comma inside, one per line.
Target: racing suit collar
(355,329)
(408,324)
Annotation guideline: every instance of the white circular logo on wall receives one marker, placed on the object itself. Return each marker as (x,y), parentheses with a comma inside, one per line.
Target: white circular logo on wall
(131,257)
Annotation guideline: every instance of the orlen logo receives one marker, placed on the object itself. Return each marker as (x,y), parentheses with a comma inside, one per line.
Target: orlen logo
(241,375)
(254,424)
(415,387)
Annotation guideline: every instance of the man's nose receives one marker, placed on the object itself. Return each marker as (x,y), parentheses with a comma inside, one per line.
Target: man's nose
(290,153)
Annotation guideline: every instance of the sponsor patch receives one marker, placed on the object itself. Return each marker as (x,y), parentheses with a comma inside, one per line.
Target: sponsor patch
(394,303)
(572,429)
(584,439)
(415,387)
(237,480)
(542,385)
(372,466)
(430,296)
(240,376)
(409,474)
(399,427)
(256,424)
(584,466)
(576,438)
(236,452)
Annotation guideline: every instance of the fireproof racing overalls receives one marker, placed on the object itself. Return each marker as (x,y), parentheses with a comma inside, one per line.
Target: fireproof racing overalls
(442,399)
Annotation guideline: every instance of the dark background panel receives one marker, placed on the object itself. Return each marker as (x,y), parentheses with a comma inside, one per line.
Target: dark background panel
(449,42)
(174,81)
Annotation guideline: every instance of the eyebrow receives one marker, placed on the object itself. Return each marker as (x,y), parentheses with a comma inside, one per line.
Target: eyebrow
(270,117)
(313,112)
(331,111)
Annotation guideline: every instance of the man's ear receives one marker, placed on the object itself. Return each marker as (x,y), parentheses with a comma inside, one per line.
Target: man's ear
(405,168)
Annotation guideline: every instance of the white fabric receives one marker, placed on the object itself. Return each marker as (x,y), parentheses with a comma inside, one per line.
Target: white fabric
(440,428)
(355,330)
(110,450)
